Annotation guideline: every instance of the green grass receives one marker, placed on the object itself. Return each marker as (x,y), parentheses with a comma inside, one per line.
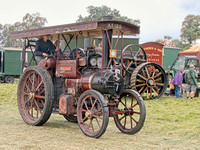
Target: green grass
(170,124)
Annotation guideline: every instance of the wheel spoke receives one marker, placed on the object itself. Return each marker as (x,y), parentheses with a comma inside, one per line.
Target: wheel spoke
(33,83)
(147,72)
(131,101)
(39,96)
(158,79)
(31,108)
(138,80)
(134,105)
(160,84)
(129,65)
(155,92)
(91,100)
(92,125)
(144,90)
(121,118)
(94,104)
(147,93)
(39,85)
(122,103)
(26,93)
(144,73)
(157,75)
(30,80)
(131,123)
(141,90)
(89,124)
(41,91)
(27,100)
(97,117)
(99,109)
(83,110)
(141,85)
(84,119)
(125,122)
(133,119)
(142,77)
(153,73)
(38,108)
(27,88)
(97,122)
(85,105)
(135,112)
(42,102)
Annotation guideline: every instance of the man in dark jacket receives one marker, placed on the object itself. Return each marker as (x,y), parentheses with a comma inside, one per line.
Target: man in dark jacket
(191,82)
(44,47)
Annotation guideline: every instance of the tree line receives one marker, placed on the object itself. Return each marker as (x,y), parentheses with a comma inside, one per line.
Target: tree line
(190,30)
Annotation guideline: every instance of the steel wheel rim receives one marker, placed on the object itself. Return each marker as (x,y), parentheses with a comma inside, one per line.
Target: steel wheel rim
(91,115)
(32,101)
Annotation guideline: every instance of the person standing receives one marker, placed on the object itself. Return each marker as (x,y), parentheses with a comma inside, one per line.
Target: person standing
(191,81)
(177,82)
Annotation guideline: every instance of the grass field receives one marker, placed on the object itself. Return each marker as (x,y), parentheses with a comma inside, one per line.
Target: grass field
(170,124)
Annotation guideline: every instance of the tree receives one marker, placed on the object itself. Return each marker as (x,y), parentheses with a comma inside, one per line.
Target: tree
(29,21)
(170,42)
(96,13)
(190,29)
(32,21)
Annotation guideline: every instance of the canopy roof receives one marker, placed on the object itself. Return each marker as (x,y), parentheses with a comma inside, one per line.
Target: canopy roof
(81,29)
(192,50)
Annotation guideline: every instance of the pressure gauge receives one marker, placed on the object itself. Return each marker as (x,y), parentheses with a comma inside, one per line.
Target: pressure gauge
(99,62)
(93,62)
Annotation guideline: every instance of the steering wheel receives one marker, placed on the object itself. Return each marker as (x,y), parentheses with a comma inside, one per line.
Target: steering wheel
(133,55)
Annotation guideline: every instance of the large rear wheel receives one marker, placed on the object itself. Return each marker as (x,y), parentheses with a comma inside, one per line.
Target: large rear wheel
(92,114)
(35,96)
(149,80)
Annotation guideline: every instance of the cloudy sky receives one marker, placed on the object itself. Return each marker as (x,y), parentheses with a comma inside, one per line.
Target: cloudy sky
(158,17)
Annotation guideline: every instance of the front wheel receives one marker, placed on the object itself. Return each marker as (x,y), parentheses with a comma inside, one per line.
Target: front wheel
(92,113)
(130,114)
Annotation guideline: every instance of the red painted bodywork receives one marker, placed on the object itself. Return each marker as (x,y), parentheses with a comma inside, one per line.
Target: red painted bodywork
(67,69)
(47,63)
(154,52)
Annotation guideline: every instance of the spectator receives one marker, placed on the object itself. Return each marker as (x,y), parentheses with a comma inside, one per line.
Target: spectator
(177,82)
(191,81)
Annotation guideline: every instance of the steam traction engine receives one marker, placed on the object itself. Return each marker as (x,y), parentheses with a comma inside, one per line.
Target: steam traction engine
(86,88)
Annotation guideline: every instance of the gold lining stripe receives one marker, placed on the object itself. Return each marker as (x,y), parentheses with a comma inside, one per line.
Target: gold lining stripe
(90,80)
(65,82)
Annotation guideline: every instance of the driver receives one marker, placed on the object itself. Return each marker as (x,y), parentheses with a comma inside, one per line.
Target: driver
(44,47)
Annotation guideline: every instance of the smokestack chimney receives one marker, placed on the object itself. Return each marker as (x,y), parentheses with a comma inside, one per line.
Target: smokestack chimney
(107,18)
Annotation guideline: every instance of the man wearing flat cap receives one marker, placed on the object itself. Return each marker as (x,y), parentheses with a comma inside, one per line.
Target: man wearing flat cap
(44,47)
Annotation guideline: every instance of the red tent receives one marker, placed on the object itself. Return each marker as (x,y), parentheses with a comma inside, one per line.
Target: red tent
(192,51)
